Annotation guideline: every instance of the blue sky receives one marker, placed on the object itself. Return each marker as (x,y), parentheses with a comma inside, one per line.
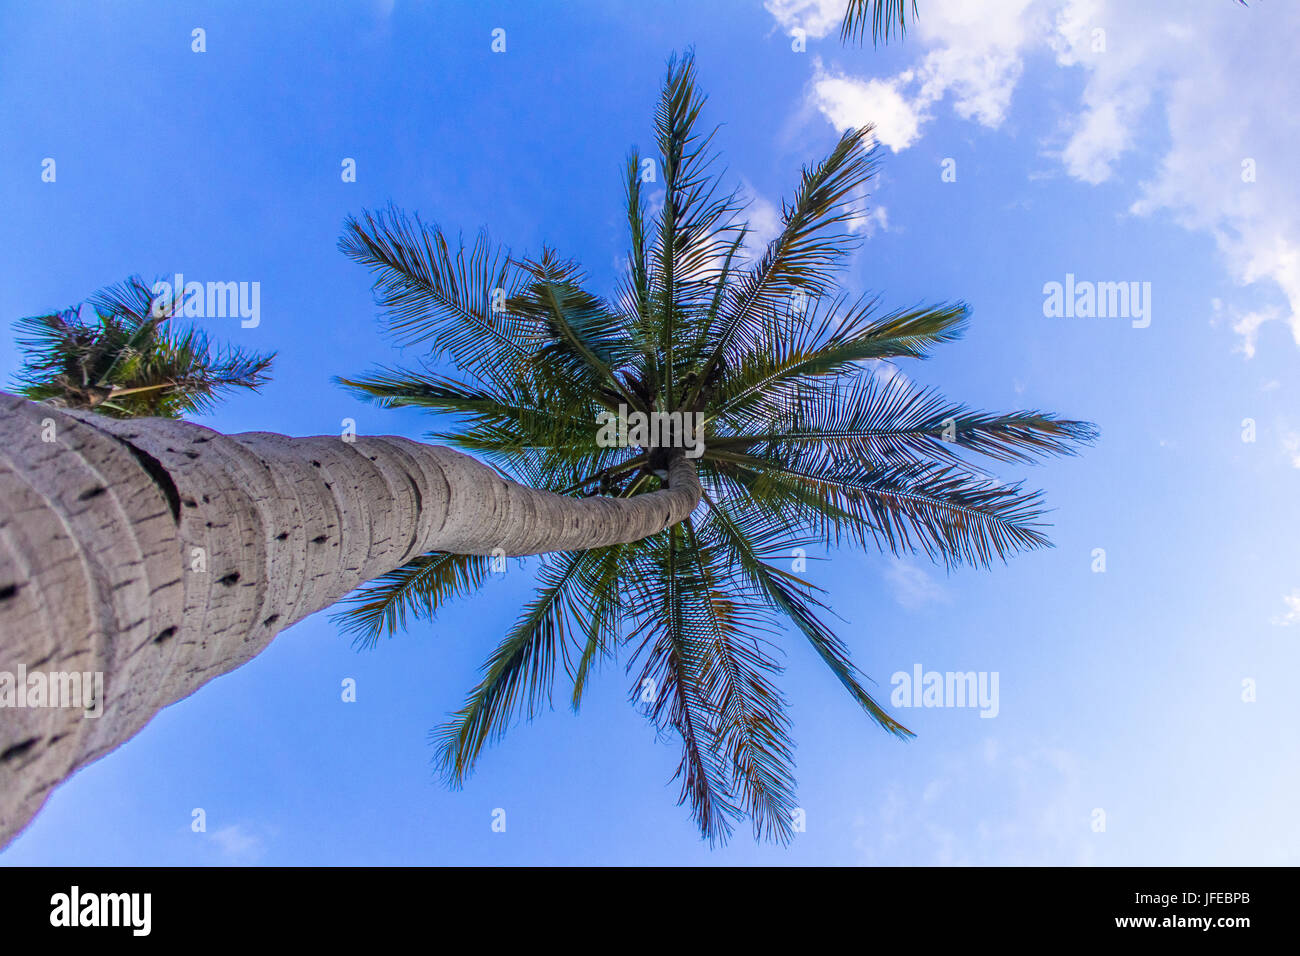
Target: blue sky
(1120,691)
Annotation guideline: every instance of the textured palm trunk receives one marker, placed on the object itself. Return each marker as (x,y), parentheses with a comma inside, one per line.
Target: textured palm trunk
(163,554)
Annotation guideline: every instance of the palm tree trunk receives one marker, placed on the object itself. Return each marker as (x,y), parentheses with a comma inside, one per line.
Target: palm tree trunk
(163,554)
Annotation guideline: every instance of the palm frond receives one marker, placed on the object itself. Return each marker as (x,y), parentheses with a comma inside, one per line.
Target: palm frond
(635,291)
(884,16)
(813,241)
(752,534)
(678,655)
(452,300)
(540,433)
(753,727)
(885,421)
(413,592)
(694,228)
(519,676)
(945,512)
(604,581)
(830,340)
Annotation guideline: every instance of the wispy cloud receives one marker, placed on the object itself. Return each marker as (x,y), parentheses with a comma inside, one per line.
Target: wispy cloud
(1291,447)
(1035,811)
(912,585)
(1292,615)
(816,18)
(1198,67)
(764,219)
(238,843)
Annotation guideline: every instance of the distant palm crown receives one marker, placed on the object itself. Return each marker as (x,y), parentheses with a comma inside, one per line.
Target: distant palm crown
(130,361)
(808,441)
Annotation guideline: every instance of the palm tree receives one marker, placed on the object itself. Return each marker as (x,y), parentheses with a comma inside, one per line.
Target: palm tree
(809,439)
(162,554)
(884,16)
(130,362)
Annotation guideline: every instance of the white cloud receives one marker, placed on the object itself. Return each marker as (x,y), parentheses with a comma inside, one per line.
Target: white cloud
(976,54)
(1104,132)
(817,18)
(238,843)
(1213,76)
(1197,80)
(1247,324)
(1036,812)
(871,221)
(850,103)
(1292,615)
(913,586)
(1291,445)
(764,218)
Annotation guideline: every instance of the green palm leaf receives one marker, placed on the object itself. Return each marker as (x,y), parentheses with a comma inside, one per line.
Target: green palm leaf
(430,293)
(674,681)
(753,729)
(802,258)
(883,15)
(412,592)
(520,674)
(799,355)
(887,421)
(750,535)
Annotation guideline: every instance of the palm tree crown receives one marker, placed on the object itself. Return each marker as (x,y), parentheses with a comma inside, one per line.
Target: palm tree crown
(129,362)
(807,441)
